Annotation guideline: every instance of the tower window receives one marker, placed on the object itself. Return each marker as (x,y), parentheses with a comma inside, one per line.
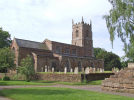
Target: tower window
(66,50)
(74,51)
(58,50)
(87,33)
(77,33)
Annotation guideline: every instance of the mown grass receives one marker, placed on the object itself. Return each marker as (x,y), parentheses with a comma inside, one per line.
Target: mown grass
(22,82)
(41,82)
(54,93)
(97,82)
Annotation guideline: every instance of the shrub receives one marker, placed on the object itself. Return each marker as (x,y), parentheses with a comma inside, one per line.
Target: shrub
(5,78)
(85,81)
(27,80)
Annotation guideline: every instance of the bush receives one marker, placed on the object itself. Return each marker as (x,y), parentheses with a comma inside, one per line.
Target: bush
(85,81)
(5,78)
(27,80)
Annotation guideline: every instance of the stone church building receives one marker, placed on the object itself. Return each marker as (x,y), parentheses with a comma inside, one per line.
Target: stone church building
(51,54)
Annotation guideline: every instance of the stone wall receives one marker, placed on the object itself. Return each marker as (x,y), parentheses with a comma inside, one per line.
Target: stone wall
(63,77)
(96,76)
(122,81)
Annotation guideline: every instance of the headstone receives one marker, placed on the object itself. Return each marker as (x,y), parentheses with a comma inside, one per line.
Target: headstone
(87,70)
(71,70)
(82,70)
(93,70)
(46,68)
(100,70)
(52,70)
(59,72)
(103,70)
(130,65)
(42,69)
(90,70)
(65,70)
(76,70)
(114,69)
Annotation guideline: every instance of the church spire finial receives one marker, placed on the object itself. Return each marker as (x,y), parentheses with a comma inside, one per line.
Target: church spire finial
(72,22)
(82,18)
(90,23)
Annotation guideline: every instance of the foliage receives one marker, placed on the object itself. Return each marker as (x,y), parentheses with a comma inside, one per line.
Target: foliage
(121,22)
(85,81)
(97,51)
(7,58)
(5,78)
(52,93)
(27,67)
(5,40)
(111,60)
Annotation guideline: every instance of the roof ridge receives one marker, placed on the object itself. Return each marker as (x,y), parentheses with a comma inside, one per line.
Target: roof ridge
(29,40)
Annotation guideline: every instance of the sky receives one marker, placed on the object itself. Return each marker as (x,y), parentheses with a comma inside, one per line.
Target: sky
(37,20)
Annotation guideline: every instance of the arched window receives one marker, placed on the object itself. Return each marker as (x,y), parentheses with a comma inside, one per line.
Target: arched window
(77,33)
(86,33)
(92,65)
(67,65)
(66,50)
(58,50)
(79,66)
(54,65)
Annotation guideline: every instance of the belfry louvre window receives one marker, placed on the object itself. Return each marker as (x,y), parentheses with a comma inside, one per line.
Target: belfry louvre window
(77,33)
(66,50)
(58,50)
(74,51)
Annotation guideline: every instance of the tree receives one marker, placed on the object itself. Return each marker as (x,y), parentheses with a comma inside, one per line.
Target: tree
(7,58)
(27,67)
(97,51)
(5,39)
(121,22)
(111,60)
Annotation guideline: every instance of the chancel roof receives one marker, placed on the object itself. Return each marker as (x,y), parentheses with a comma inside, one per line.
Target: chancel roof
(31,44)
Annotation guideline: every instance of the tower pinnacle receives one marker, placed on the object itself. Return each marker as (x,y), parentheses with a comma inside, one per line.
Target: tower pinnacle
(72,22)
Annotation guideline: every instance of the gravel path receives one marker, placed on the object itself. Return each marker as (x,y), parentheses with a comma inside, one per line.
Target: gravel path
(96,88)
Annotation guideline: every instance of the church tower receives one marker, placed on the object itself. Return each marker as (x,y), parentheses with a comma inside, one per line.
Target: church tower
(82,36)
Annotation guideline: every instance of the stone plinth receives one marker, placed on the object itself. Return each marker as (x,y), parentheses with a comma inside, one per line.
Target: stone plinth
(122,81)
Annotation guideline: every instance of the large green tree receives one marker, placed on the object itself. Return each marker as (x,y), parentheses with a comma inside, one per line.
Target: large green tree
(121,21)
(7,58)
(5,39)
(111,60)
(97,51)
(27,67)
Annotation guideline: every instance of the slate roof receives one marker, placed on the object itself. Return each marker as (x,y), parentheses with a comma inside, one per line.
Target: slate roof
(31,44)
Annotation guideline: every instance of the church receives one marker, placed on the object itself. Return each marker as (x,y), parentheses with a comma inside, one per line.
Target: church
(52,54)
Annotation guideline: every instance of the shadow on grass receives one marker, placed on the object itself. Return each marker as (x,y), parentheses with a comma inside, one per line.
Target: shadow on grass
(36,91)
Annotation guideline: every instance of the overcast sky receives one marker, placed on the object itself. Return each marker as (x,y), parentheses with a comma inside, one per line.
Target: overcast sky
(37,20)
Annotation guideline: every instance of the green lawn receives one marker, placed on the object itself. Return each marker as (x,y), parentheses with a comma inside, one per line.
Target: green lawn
(97,82)
(53,93)
(41,82)
(22,82)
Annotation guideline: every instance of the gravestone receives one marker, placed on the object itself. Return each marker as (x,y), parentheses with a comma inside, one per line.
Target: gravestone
(71,70)
(45,68)
(90,70)
(76,70)
(59,72)
(87,70)
(82,70)
(93,70)
(65,70)
(100,70)
(114,69)
(42,69)
(130,65)
(103,70)
(52,70)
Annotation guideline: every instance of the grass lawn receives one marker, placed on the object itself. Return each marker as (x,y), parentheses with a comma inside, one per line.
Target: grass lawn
(53,93)
(41,82)
(22,82)
(97,82)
